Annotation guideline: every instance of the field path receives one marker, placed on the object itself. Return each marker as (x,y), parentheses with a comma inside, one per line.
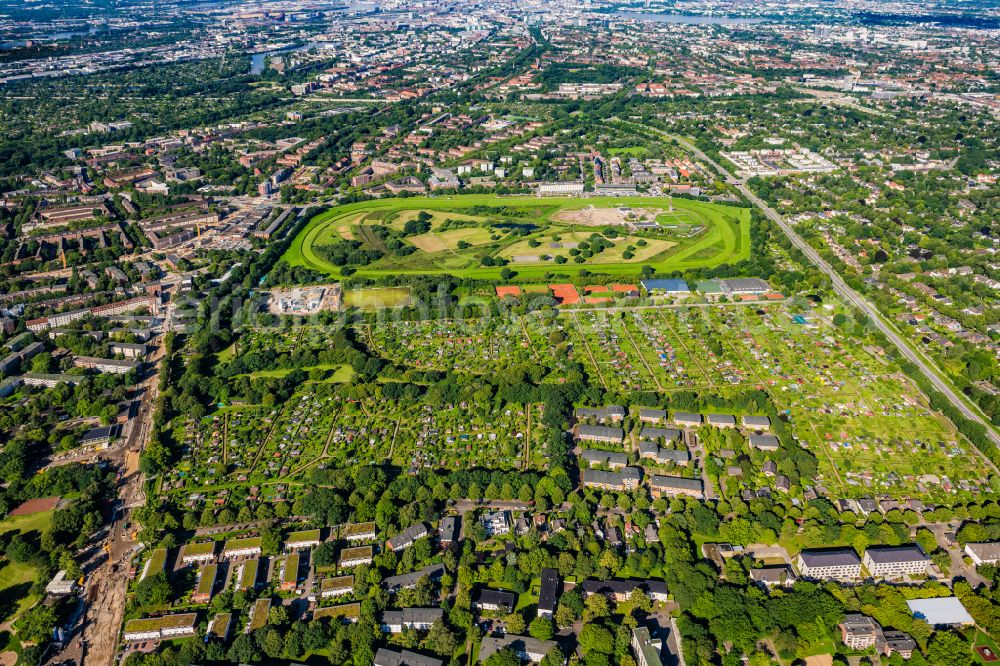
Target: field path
(694,357)
(527,439)
(267,437)
(826,452)
(586,346)
(325,453)
(642,357)
(392,444)
(368,236)
(527,337)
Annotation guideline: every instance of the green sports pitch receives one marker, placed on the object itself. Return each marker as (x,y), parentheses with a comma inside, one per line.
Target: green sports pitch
(533,236)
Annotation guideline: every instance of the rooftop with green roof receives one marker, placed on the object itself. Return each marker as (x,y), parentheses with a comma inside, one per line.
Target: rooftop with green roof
(346,611)
(338,583)
(198,549)
(174,621)
(219,627)
(248,575)
(356,553)
(258,615)
(155,564)
(302,536)
(247,543)
(206,581)
(291,574)
(354,529)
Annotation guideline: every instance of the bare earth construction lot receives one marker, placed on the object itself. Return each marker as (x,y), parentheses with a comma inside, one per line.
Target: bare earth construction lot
(305,300)
(601,217)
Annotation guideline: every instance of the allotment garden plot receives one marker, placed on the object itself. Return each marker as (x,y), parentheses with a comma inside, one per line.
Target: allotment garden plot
(868,425)
(474,345)
(320,427)
(213,447)
(300,435)
(609,353)
(470,435)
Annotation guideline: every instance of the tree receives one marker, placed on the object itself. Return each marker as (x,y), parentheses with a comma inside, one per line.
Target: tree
(597,639)
(242,650)
(515,623)
(326,554)
(597,607)
(42,363)
(541,628)
(154,590)
(278,615)
(641,600)
(273,644)
(564,616)
(554,657)
(440,639)
(36,624)
(926,540)
(19,550)
(505,657)
(270,541)
(948,649)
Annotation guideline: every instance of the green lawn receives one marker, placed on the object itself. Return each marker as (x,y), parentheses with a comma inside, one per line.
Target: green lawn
(474,653)
(726,237)
(614,254)
(438,241)
(629,151)
(226,354)
(36,522)
(982,639)
(372,299)
(17,578)
(342,373)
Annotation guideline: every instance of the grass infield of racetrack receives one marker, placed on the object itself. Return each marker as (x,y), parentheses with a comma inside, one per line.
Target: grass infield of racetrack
(720,220)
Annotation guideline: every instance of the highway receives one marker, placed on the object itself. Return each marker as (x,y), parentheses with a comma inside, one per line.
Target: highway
(844,290)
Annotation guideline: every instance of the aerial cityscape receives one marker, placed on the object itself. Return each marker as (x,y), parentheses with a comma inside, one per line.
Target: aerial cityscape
(460,332)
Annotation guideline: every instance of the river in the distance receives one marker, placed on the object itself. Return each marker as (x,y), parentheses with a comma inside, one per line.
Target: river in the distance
(258,60)
(688,19)
(51,37)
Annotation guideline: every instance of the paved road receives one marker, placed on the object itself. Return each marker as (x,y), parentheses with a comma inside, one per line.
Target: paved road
(466,505)
(959,569)
(846,292)
(679,306)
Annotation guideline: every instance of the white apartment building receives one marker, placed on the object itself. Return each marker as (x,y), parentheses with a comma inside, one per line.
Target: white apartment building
(895,561)
(829,564)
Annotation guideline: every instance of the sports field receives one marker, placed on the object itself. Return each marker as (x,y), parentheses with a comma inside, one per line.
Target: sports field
(463,234)
(377,298)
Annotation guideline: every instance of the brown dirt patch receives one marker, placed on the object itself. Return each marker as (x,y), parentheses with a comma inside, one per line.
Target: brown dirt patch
(600,217)
(35,506)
